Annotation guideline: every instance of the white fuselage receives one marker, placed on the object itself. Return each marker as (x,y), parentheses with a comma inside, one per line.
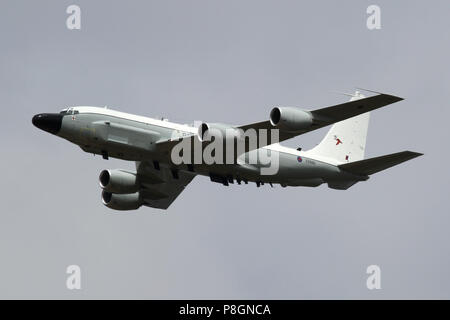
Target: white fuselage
(131,137)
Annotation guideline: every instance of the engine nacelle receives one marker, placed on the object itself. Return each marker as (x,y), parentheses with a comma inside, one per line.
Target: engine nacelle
(290,119)
(131,201)
(208,130)
(118,181)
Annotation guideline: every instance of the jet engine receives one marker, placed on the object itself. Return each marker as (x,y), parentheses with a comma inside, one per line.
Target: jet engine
(131,201)
(290,119)
(208,130)
(118,181)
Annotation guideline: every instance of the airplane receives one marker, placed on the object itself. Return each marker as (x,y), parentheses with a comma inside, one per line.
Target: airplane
(338,160)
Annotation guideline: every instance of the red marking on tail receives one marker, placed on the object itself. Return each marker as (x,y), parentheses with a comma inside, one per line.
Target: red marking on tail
(338,141)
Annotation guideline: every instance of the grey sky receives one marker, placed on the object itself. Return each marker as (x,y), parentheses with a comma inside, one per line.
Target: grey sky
(224,61)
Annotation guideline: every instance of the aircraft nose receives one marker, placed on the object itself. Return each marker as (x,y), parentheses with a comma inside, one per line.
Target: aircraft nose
(50,122)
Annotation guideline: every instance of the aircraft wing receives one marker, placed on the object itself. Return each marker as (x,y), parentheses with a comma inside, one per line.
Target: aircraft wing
(321,118)
(329,115)
(160,185)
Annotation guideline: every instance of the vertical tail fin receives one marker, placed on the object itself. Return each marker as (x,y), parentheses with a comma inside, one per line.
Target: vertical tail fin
(346,140)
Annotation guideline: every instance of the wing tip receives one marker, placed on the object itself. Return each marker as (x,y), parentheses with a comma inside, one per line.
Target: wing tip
(395,98)
(415,154)
(392,97)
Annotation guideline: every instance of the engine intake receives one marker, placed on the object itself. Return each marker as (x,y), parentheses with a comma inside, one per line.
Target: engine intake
(131,201)
(118,181)
(208,130)
(290,119)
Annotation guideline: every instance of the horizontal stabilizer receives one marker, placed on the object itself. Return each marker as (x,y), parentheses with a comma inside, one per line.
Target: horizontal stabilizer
(374,165)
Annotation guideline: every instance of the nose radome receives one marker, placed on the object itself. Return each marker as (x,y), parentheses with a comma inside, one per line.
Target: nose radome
(35,120)
(50,122)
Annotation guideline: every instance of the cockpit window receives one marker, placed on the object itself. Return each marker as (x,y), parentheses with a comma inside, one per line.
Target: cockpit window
(69,111)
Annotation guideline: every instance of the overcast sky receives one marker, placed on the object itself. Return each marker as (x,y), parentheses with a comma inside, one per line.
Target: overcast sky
(224,61)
